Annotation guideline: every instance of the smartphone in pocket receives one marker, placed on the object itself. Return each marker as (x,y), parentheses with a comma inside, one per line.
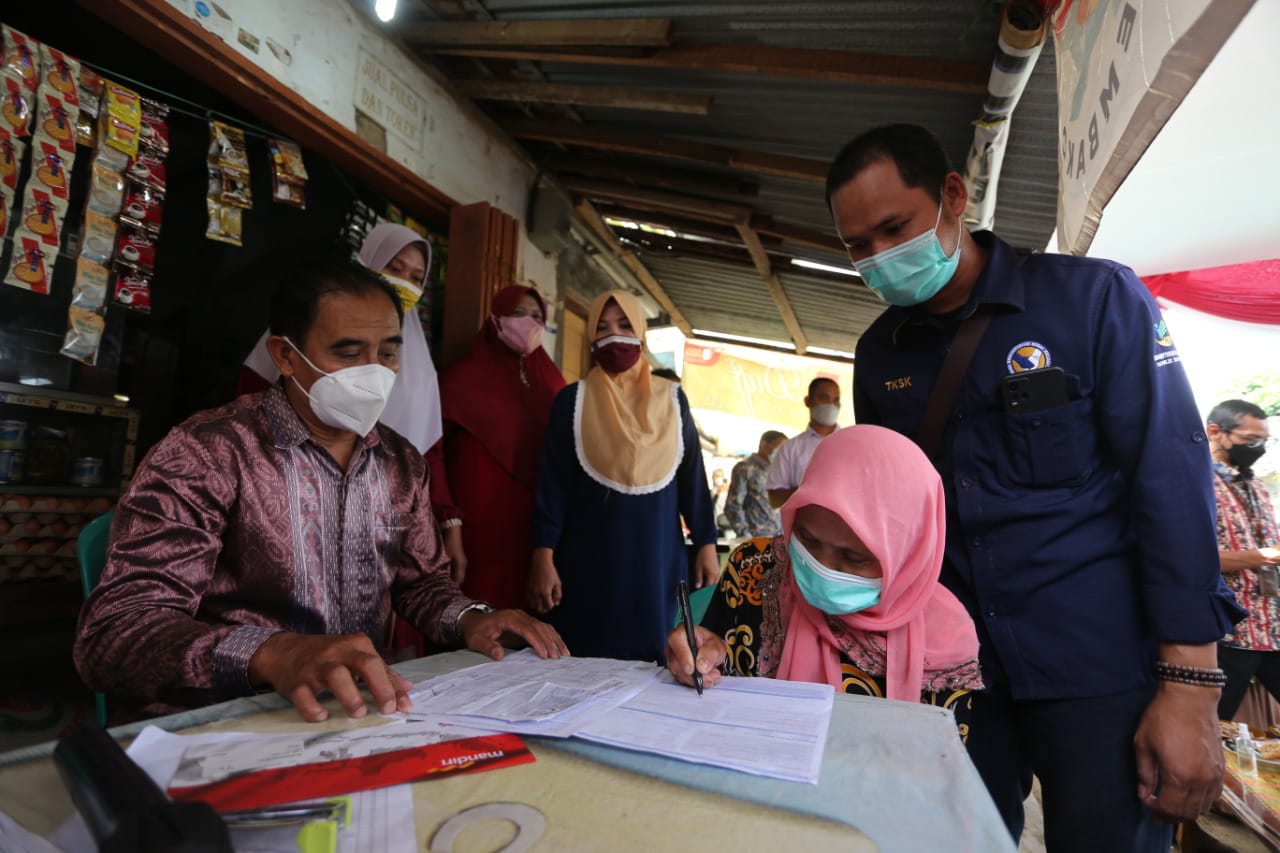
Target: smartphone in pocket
(1034,390)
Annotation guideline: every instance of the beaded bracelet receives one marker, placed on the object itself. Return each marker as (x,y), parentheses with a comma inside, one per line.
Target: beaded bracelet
(1198,676)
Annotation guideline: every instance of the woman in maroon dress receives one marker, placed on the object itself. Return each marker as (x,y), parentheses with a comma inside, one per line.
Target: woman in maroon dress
(496,403)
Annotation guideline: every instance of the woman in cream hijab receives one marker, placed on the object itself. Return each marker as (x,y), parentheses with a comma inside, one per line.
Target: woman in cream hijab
(620,466)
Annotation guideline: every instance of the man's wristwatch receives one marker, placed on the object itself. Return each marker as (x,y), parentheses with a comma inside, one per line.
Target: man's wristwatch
(450,522)
(476,606)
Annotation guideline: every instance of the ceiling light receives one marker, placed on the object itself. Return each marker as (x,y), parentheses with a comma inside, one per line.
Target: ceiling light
(385,9)
(814,265)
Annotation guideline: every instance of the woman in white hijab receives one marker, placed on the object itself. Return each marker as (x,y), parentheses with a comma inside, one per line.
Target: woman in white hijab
(413,410)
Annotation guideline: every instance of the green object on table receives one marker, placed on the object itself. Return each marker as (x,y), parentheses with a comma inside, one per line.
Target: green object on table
(698,602)
(91,554)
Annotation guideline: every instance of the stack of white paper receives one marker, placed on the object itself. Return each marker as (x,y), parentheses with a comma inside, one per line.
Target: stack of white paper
(755,725)
(524,694)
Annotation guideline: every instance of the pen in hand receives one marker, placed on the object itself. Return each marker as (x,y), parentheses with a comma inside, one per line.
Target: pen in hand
(686,614)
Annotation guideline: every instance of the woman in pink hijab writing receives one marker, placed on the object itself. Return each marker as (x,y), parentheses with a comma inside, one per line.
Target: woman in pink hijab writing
(848,595)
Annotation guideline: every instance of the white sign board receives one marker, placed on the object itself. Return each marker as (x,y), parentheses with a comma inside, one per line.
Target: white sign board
(1124,66)
(388,100)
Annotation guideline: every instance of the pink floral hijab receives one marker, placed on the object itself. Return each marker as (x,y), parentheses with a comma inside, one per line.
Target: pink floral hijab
(887,491)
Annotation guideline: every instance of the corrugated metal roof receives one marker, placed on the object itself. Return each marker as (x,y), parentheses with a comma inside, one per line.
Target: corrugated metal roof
(808,118)
(730,298)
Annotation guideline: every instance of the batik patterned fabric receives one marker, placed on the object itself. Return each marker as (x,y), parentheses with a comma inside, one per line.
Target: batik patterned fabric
(1246,520)
(744,611)
(239,525)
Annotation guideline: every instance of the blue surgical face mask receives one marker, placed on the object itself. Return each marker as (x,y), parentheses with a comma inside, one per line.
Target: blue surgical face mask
(912,272)
(830,591)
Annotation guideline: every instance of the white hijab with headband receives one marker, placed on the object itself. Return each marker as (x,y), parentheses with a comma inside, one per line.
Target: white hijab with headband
(413,410)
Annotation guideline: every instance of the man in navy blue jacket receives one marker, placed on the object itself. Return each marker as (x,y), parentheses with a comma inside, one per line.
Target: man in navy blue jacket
(1080,535)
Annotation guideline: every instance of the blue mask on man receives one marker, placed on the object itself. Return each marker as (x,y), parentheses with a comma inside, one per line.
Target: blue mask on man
(912,272)
(830,591)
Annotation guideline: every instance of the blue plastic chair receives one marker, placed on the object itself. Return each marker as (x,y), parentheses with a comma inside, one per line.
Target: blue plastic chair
(91,553)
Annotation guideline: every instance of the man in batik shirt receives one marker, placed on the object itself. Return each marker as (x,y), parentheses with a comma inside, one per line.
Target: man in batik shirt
(1248,544)
(265,544)
(747,507)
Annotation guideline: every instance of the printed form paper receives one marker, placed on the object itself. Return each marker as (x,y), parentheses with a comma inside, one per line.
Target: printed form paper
(755,725)
(525,694)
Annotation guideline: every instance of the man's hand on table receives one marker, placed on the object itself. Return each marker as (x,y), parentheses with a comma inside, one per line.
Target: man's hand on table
(711,653)
(487,632)
(1179,751)
(300,666)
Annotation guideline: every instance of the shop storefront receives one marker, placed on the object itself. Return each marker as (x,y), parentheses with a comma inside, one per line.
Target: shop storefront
(155,183)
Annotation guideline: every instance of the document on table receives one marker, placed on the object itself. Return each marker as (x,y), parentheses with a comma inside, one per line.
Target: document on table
(525,694)
(229,755)
(755,725)
(380,819)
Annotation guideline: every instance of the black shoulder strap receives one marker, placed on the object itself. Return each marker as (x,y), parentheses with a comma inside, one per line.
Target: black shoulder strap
(943,398)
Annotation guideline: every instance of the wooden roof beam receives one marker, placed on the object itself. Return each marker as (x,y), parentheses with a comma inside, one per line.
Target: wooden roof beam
(725,234)
(609,97)
(799,234)
(697,208)
(592,219)
(650,174)
(620,32)
(839,66)
(763,266)
(783,165)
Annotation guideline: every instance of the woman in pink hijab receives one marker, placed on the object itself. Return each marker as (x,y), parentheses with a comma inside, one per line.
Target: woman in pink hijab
(848,595)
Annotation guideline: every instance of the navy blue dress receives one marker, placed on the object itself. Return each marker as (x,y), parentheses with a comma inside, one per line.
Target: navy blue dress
(619,556)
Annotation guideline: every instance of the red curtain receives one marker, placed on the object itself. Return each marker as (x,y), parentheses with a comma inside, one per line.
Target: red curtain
(1247,292)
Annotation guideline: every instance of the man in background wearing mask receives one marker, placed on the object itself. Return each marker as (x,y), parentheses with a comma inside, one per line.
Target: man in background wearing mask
(792,458)
(264,544)
(1249,545)
(747,506)
(1080,533)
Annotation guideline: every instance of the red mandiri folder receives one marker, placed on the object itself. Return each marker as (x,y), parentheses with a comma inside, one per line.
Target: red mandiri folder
(344,776)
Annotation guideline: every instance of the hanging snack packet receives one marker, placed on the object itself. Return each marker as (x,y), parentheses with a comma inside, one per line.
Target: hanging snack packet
(90,290)
(136,249)
(235,190)
(49,167)
(15,107)
(6,201)
(21,58)
(11,150)
(27,265)
(99,237)
(120,125)
(148,169)
(154,131)
(90,101)
(133,288)
(142,208)
(43,216)
(227,148)
(60,73)
(84,335)
(224,223)
(85,320)
(106,190)
(288,173)
(55,118)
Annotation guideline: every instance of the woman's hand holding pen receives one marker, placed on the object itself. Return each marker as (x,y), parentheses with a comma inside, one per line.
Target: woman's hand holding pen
(711,653)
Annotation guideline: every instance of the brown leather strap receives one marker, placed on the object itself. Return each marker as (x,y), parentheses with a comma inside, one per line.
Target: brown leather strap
(943,398)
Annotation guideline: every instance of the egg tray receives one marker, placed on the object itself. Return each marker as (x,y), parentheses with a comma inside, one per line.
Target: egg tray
(30,568)
(73,504)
